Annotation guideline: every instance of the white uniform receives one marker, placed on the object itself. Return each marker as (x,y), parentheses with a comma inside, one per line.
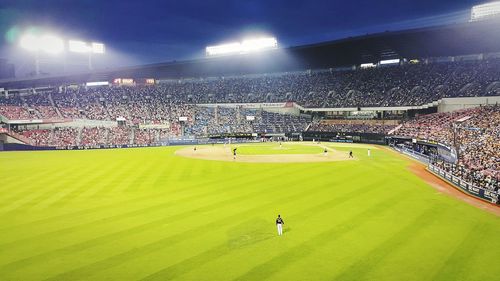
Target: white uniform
(280,228)
(369,152)
(279,225)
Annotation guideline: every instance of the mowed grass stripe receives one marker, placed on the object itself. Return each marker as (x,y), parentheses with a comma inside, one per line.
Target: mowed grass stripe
(144,210)
(20,191)
(136,229)
(212,254)
(141,239)
(54,188)
(171,240)
(166,202)
(141,175)
(88,185)
(20,182)
(182,266)
(277,263)
(421,257)
(395,240)
(186,237)
(109,183)
(455,266)
(139,200)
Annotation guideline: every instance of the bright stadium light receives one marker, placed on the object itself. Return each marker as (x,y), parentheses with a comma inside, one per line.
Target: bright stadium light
(97,48)
(47,43)
(78,46)
(392,61)
(485,11)
(251,45)
(246,46)
(29,42)
(223,49)
(51,44)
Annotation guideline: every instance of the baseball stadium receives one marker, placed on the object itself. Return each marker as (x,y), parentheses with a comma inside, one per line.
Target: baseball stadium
(369,157)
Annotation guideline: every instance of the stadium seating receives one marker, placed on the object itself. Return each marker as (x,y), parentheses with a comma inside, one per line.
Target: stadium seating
(477,135)
(386,86)
(144,107)
(350,128)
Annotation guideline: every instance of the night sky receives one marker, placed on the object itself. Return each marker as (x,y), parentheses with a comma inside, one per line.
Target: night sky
(152,31)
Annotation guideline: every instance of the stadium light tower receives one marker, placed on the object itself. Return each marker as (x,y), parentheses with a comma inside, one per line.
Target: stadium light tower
(485,11)
(77,46)
(46,43)
(243,47)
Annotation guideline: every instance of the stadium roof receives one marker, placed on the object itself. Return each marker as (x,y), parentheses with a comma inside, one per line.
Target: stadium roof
(441,41)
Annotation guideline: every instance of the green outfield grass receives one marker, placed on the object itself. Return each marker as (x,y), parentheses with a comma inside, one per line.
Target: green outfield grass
(146,214)
(274,148)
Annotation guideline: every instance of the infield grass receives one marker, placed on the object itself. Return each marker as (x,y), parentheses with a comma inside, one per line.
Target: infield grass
(146,214)
(275,148)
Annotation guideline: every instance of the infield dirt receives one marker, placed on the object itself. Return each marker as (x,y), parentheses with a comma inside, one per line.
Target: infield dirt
(220,153)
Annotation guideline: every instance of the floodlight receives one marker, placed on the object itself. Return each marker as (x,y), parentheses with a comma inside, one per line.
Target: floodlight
(51,44)
(246,46)
(30,42)
(250,45)
(97,48)
(485,11)
(47,43)
(223,49)
(392,61)
(78,46)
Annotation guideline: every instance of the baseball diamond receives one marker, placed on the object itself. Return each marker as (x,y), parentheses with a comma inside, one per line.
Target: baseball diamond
(249,140)
(152,214)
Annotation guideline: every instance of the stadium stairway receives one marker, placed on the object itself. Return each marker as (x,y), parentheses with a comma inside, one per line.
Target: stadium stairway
(79,136)
(54,106)
(132,136)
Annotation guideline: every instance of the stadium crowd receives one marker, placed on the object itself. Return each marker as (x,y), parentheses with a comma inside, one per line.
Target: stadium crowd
(476,134)
(350,128)
(410,84)
(164,104)
(204,122)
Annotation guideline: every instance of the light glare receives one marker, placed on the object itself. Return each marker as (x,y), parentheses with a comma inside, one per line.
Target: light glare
(246,46)
(29,42)
(98,48)
(47,43)
(484,11)
(51,44)
(78,46)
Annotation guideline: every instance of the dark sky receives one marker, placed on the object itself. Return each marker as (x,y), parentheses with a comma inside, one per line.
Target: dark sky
(156,31)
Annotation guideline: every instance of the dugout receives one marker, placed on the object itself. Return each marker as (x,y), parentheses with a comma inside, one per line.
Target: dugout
(431,149)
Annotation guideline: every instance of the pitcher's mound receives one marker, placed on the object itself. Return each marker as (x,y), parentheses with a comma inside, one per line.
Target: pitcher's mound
(220,153)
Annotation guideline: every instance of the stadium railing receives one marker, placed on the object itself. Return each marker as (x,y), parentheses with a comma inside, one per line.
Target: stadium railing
(464,186)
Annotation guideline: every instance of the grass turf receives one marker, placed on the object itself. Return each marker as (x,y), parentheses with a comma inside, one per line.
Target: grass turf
(145,214)
(273,148)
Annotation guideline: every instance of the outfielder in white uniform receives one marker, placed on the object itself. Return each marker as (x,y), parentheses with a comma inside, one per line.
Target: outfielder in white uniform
(279,225)
(369,152)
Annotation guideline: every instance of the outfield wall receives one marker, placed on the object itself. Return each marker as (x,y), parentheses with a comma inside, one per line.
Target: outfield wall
(344,137)
(25,147)
(466,187)
(168,142)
